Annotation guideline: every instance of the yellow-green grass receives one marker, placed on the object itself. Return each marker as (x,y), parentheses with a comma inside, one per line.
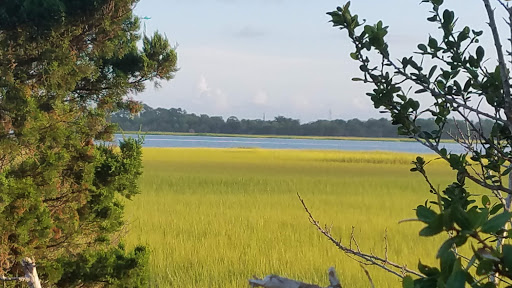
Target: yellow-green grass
(215,217)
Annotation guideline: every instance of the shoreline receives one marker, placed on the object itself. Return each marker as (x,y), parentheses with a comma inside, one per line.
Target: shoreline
(346,138)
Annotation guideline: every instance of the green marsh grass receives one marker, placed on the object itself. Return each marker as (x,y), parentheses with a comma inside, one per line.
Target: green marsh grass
(216,217)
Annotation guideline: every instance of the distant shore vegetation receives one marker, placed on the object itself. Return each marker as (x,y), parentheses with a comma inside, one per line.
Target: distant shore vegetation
(402,139)
(179,121)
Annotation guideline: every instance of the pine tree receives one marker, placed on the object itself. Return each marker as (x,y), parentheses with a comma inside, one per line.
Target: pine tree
(65,65)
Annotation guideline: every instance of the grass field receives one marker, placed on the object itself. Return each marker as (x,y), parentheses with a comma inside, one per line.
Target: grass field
(215,217)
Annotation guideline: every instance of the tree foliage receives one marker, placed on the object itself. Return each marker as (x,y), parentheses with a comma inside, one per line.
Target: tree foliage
(65,65)
(179,120)
(452,69)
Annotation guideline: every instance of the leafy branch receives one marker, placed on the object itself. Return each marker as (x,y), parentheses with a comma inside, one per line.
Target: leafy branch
(457,77)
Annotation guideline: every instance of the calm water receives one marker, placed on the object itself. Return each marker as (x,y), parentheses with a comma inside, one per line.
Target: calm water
(275,143)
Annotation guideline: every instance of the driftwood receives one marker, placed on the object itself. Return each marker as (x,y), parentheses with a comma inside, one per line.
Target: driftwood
(29,267)
(274,281)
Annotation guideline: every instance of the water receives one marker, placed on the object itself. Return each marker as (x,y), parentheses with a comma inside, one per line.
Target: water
(279,143)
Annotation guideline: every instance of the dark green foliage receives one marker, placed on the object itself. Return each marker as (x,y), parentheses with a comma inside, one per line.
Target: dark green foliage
(65,65)
(113,267)
(178,120)
(457,82)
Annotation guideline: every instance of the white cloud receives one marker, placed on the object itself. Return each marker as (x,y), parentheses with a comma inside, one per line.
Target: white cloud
(210,97)
(202,86)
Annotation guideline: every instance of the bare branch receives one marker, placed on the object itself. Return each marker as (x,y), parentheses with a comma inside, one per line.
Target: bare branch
(368,258)
(501,59)
(484,184)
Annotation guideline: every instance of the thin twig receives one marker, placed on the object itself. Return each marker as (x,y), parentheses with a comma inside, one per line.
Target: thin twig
(386,245)
(9,279)
(368,275)
(501,59)
(371,259)
(503,5)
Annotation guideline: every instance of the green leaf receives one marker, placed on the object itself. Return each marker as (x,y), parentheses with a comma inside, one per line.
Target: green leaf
(422,47)
(448,17)
(464,35)
(447,261)
(458,241)
(480,53)
(486,201)
(434,227)
(415,105)
(507,257)
(496,223)
(427,270)
(477,33)
(467,85)
(425,214)
(432,71)
(432,43)
(354,56)
(440,84)
(408,282)
(443,152)
(496,208)
(507,171)
(476,217)
(473,74)
(445,248)
(485,267)
(432,18)
(457,279)
(461,218)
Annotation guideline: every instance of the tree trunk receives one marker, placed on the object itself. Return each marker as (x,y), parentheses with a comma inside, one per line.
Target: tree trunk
(29,267)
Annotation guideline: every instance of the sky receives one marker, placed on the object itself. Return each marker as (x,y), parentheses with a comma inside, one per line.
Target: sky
(257,59)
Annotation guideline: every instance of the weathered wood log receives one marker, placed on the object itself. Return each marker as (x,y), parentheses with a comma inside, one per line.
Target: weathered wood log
(31,277)
(29,266)
(274,281)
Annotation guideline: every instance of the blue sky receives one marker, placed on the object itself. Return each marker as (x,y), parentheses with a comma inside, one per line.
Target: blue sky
(248,58)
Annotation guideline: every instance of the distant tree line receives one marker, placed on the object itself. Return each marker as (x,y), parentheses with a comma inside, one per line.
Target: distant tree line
(178,120)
